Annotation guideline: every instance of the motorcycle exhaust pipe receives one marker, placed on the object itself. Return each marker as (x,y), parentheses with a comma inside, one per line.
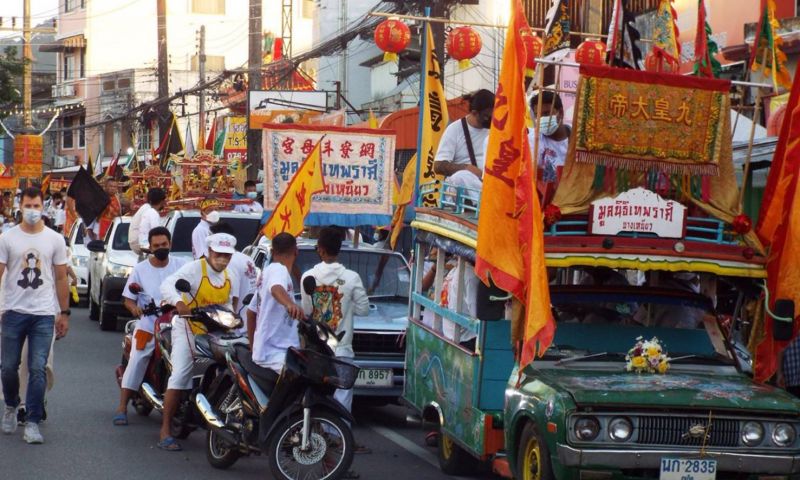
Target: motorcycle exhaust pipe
(152,397)
(213,421)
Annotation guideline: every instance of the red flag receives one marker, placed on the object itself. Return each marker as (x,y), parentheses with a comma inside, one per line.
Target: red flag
(212,135)
(112,167)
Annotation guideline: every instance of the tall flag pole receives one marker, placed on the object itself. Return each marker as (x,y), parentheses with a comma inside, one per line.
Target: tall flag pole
(705,63)
(510,250)
(295,203)
(767,53)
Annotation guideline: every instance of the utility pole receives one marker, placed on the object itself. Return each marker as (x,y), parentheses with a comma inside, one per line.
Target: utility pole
(254,83)
(27,58)
(163,65)
(201,62)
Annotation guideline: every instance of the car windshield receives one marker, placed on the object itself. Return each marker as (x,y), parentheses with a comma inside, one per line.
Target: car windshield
(383,274)
(245,231)
(609,321)
(121,237)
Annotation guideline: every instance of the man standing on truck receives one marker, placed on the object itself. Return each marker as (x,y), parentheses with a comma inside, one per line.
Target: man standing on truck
(553,142)
(145,219)
(252,195)
(208,216)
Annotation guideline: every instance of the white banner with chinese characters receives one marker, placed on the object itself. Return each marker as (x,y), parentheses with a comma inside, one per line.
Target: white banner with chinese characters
(357,167)
(638,210)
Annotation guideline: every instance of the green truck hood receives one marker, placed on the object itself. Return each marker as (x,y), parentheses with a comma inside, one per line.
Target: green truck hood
(674,389)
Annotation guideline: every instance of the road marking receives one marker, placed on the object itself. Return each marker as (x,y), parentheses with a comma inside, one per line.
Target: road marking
(406,444)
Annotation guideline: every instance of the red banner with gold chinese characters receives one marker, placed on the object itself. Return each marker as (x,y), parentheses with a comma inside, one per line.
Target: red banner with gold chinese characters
(641,120)
(28,156)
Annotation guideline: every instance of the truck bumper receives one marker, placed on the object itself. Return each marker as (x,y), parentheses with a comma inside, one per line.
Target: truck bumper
(613,459)
(112,295)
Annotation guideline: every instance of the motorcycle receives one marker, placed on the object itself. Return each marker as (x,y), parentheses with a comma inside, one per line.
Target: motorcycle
(292,417)
(208,363)
(156,373)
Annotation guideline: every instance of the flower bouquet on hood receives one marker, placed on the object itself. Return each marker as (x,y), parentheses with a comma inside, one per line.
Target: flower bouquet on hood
(647,356)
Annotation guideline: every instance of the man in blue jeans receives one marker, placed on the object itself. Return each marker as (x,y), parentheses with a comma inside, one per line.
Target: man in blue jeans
(33,259)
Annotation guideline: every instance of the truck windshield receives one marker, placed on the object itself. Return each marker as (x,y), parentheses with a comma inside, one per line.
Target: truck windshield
(245,231)
(610,320)
(120,242)
(383,275)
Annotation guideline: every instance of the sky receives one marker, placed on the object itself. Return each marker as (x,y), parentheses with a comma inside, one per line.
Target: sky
(40,10)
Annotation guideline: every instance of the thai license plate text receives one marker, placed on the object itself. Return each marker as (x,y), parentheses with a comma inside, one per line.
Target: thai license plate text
(688,469)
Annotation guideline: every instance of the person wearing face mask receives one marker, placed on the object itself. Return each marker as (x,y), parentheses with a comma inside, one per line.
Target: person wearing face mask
(36,286)
(146,219)
(208,216)
(241,265)
(212,284)
(553,143)
(149,275)
(460,148)
(252,195)
(57,213)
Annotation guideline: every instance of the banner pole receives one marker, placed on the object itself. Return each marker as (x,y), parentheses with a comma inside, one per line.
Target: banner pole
(422,79)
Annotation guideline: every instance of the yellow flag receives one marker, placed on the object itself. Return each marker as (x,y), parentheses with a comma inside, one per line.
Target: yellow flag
(510,248)
(294,205)
(434,121)
(373,122)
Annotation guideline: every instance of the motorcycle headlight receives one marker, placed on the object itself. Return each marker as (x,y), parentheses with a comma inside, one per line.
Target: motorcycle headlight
(117,270)
(783,435)
(620,429)
(225,319)
(587,428)
(752,434)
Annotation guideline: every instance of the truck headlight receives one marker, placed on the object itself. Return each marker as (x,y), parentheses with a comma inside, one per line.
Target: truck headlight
(117,270)
(587,428)
(620,429)
(752,433)
(783,435)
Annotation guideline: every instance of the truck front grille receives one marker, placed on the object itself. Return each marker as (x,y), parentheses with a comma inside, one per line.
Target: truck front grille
(365,343)
(657,430)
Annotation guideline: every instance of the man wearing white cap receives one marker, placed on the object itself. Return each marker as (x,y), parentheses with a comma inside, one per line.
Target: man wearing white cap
(211,284)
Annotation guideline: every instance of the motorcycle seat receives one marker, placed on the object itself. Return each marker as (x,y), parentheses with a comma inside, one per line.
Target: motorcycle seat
(265,378)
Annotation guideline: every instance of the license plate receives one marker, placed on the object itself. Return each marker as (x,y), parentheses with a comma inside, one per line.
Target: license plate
(375,377)
(688,469)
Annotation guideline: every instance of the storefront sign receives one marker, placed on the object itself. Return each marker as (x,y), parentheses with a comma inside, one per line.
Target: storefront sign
(235,148)
(638,210)
(357,168)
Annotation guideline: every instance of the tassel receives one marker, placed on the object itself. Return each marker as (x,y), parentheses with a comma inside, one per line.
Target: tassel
(599,177)
(390,57)
(706,189)
(464,64)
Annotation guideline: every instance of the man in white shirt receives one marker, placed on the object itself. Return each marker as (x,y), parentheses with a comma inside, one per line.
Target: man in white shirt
(272,315)
(553,143)
(208,216)
(211,284)
(148,275)
(252,195)
(146,219)
(460,157)
(35,260)
(339,295)
(241,266)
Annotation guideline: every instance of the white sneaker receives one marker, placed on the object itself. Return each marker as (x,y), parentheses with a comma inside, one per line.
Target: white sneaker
(10,420)
(32,434)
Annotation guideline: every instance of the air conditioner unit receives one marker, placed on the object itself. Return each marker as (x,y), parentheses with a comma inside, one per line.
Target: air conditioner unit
(63,90)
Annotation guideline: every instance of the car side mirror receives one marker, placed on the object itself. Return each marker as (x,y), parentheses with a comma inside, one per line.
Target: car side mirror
(96,246)
(782,329)
(183,286)
(309,284)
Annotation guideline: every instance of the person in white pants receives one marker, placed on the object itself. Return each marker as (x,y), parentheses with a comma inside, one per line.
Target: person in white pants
(147,277)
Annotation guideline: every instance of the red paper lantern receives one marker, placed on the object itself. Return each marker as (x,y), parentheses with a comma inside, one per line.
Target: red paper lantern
(533,48)
(655,61)
(392,36)
(742,224)
(463,44)
(591,52)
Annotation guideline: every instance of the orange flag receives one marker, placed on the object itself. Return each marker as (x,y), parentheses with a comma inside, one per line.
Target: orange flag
(294,205)
(510,237)
(779,227)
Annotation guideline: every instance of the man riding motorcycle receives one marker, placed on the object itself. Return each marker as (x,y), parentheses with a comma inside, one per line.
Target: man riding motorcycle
(148,275)
(212,284)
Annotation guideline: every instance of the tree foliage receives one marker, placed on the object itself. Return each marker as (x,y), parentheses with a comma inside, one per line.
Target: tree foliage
(10,75)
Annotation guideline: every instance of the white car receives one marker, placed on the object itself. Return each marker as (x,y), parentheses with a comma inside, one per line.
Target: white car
(80,259)
(181,224)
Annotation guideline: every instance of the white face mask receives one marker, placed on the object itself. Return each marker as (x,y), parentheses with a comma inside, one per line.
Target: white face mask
(31,216)
(212,217)
(548,125)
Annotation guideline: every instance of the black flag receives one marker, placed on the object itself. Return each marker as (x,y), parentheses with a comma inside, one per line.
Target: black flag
(90,198)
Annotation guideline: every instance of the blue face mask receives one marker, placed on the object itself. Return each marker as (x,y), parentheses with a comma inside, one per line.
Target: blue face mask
(548,125)
(252,195)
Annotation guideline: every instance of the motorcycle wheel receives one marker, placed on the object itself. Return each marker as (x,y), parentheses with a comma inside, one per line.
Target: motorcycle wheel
(180,428)
(330,454)
(218,453)
(142,407)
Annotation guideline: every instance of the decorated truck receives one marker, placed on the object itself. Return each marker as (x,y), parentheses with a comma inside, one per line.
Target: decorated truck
(656,285)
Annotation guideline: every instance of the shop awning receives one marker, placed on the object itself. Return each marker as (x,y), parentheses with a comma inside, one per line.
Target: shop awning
(71,42)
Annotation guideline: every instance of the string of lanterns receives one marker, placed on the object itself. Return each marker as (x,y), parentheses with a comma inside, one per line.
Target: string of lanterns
(21,110)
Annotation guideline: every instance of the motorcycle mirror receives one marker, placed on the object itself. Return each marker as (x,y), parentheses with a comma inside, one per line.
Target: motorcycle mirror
(247,299)
(135,288)
(309,284)
(183,286)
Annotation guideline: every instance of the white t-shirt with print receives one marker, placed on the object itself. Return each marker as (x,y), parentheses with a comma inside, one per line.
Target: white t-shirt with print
(150,279)
(252,207)
(552,154)
(29,279)
(243,268)
(453,145)
(468,297)
(275,330)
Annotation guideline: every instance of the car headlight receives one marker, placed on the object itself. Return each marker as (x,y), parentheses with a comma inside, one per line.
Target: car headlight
(783,435)
(117,270)
(752,433)
(587,428)
(79,261)
(620,429)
